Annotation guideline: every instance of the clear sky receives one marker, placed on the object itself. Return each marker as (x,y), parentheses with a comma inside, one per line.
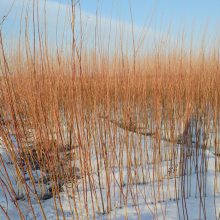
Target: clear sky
(197,16)
(175,12)
(157,15)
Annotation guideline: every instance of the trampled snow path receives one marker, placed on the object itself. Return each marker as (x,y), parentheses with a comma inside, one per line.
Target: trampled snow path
(148,207)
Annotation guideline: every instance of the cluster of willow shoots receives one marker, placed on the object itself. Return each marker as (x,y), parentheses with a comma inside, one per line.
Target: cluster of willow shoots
(109,130)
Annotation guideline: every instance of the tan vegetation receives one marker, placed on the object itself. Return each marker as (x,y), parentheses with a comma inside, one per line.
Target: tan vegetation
(77,118)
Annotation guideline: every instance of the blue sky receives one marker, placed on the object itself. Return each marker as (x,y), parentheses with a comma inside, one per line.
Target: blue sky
(175,12)
(156,15)
(192,16)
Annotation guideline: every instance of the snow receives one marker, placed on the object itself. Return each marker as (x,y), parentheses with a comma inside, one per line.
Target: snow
(152,201)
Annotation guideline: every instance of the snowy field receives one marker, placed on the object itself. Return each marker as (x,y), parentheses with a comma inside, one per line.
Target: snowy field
(140,178)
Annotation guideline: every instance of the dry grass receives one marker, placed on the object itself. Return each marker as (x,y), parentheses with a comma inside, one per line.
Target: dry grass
(78,119)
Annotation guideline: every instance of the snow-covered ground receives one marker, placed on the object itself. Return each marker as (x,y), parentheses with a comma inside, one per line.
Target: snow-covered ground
(147,184)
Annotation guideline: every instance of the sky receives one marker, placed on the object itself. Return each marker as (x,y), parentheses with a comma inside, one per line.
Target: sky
(155,16)
(176,12)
